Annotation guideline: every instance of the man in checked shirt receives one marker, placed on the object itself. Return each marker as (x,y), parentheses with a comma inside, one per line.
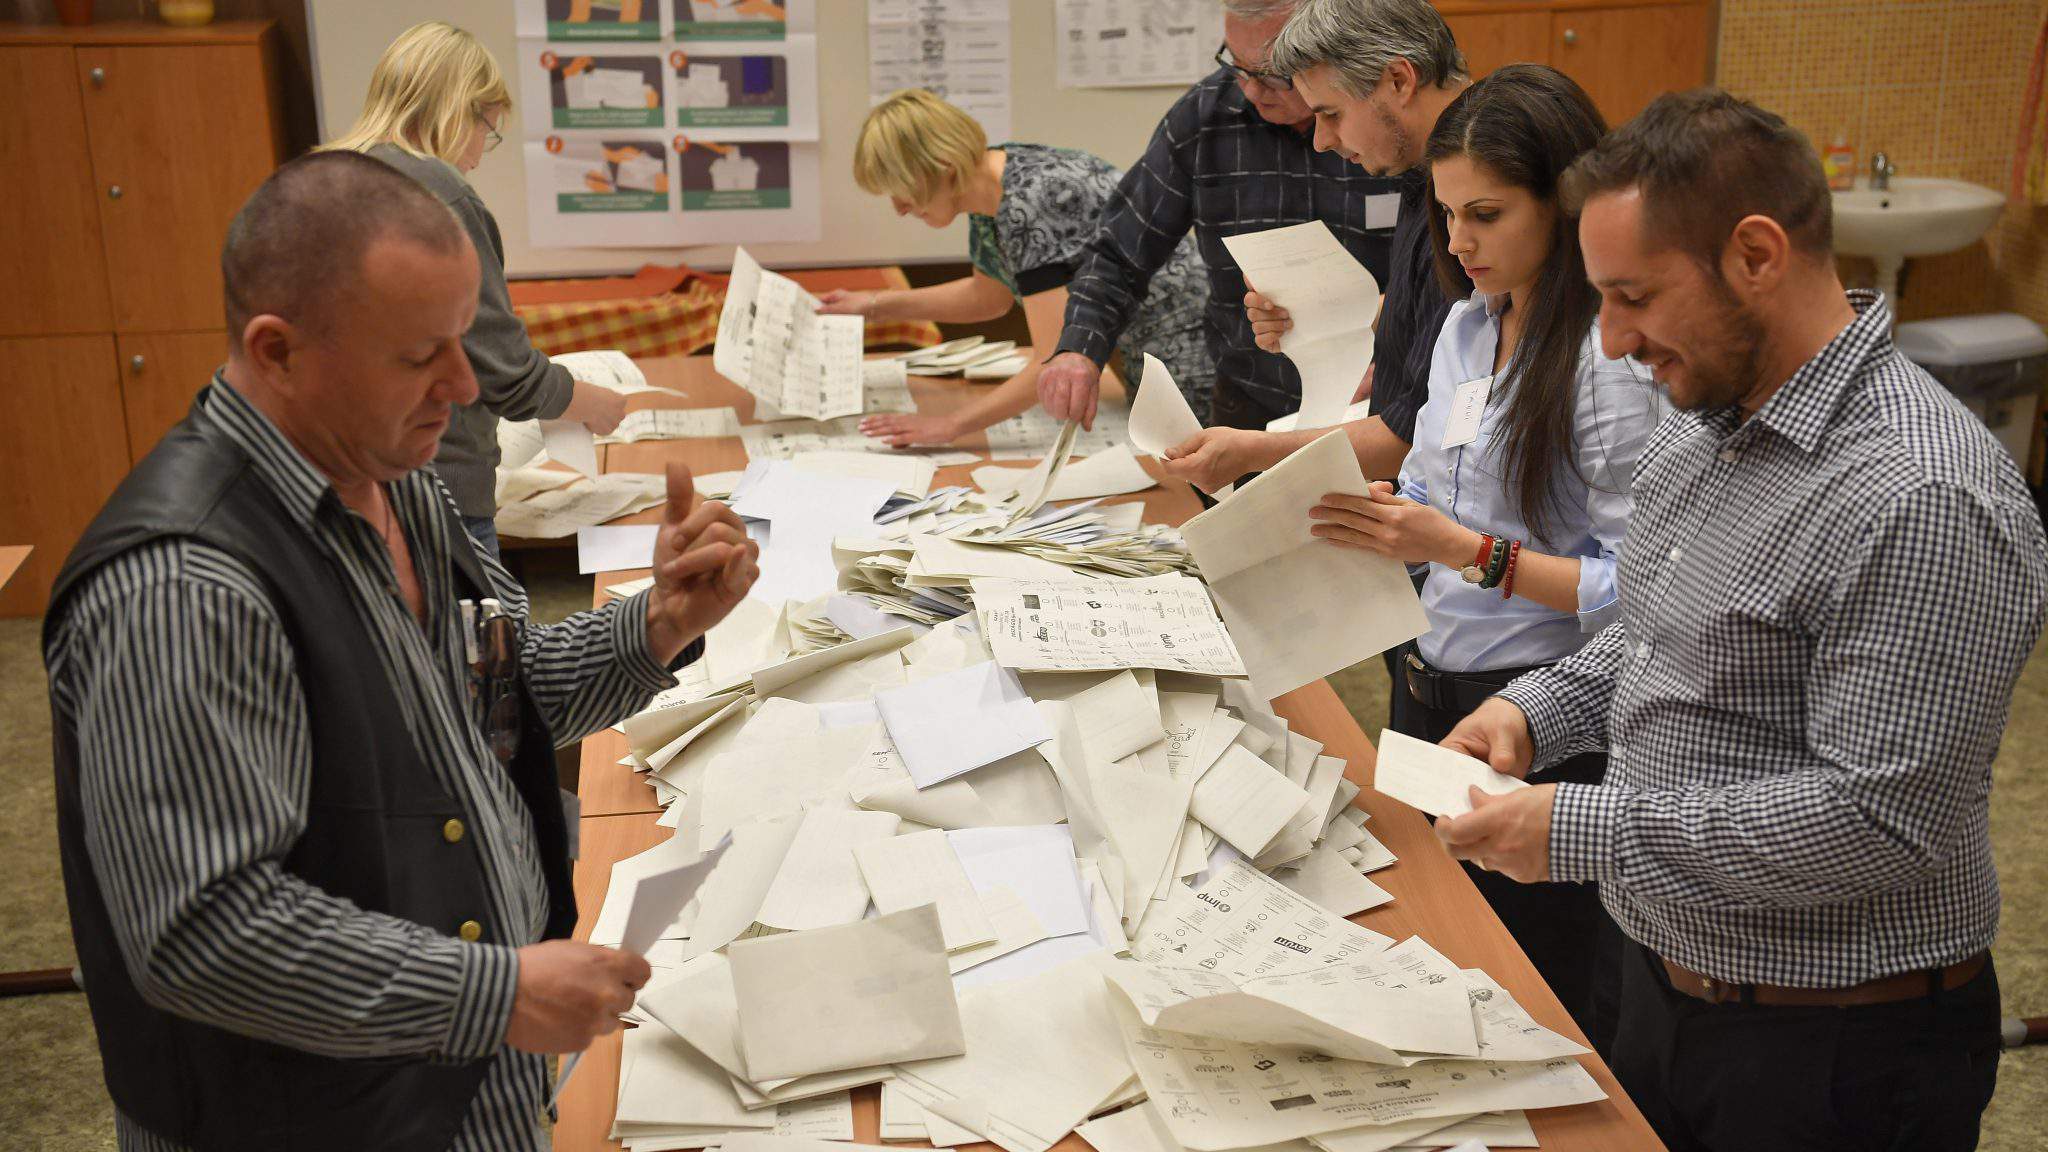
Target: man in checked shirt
(1832,579)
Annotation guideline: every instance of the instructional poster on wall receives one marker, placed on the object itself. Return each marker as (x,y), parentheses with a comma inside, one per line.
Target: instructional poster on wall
(1136,43)
(650,123)
(959,49)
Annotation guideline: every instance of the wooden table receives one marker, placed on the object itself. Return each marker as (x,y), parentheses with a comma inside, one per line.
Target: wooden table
(1432,896)
(12,557)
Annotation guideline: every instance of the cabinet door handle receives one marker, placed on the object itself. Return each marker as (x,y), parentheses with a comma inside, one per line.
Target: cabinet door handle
(137,363)
(99,77)
(113,191)
(1571,36)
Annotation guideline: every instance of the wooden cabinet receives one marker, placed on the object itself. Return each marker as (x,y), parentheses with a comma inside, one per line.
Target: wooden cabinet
(150,112)
(53,275)
(63,450)
(1491,39)
(160,375)
(1626,57)
(1623,54)
(128,147)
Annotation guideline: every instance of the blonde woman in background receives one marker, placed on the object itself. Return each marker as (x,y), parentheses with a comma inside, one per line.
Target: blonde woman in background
(437,100)
(1031,211)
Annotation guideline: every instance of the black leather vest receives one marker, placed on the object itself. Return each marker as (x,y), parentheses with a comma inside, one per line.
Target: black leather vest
(374,834)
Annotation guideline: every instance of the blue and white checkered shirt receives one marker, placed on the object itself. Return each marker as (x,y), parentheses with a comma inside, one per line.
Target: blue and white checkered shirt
(1824,610)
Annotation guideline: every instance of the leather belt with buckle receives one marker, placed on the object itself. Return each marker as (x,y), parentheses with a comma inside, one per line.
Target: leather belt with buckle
(1884,990)
(1451,691)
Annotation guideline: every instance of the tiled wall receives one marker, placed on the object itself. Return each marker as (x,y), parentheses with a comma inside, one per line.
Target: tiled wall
(1936,84)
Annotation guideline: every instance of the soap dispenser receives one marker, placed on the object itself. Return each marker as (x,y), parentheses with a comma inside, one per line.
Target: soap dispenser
(1839,162)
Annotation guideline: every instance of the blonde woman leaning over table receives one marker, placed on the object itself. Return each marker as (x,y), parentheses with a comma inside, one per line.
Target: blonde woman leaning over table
(1031,210)
(436,103)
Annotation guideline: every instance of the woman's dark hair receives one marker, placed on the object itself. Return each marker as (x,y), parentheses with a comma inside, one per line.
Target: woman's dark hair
(1525,124)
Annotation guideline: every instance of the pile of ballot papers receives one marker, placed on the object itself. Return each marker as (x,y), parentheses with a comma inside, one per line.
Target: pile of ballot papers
(1016,899)
(974,357)
(981,797)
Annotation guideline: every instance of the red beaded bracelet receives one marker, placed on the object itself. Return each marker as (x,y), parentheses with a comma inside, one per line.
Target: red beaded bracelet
(1507,580)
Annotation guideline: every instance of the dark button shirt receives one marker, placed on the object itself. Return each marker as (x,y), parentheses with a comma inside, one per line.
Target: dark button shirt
(1218,168)
(1412,311)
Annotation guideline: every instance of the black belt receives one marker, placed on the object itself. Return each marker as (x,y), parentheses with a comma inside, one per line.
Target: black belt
(1459,692)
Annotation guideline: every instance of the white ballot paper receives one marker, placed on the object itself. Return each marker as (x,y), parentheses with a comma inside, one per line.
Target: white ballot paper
(1364,1010)
(653,901)
(772,342)
(570,443)
(955,722)
(851,996)
(1041,1053)
(1221,1094)
(673,424)
(1160,416)
(818,884)
(1433,778)
(907,871)
(1244,801)
(615,548)
(1331,299)
(1327,879)
(608,368)
(657,899)
(1243,924)
(1164,621)
(1300,607)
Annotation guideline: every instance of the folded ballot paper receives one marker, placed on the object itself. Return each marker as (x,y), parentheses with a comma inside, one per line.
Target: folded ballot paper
(1432,777)
(853,996)
(1300,607)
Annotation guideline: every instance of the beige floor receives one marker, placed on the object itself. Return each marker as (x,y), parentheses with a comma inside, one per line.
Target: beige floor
(53,1099)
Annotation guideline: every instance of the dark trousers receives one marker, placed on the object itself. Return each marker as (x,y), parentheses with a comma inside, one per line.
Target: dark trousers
(1562,928)
(1909,1076)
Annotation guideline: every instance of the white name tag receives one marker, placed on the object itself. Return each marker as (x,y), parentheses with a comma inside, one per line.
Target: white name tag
(1468,408)
(1382,209)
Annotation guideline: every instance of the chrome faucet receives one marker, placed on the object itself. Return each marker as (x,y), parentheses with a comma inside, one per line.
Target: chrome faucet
(1881,172)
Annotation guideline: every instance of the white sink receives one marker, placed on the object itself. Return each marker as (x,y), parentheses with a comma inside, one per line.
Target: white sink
(1918,216)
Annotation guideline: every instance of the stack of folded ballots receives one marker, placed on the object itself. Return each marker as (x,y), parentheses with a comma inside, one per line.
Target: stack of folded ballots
(1012,897)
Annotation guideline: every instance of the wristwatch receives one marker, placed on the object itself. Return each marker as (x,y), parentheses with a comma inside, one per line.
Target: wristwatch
(1475,572)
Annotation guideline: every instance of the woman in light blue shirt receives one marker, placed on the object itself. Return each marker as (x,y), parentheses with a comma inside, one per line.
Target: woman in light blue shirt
(1514,500)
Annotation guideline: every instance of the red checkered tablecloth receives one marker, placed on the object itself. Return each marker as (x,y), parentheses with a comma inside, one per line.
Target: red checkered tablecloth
(674,312)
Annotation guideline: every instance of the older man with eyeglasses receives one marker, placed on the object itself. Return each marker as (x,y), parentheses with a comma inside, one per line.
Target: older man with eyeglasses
(1235,154)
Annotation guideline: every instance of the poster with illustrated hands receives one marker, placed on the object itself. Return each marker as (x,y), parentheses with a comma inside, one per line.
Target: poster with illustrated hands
(704,131)
(638,192)
(589,20)
(579,87)
(744,19)
(747,92)
(724,177)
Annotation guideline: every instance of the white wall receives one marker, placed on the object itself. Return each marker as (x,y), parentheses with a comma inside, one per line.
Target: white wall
(348,35)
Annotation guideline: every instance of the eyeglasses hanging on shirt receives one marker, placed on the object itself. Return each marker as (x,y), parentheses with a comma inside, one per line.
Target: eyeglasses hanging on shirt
(1272,80)
(490,638)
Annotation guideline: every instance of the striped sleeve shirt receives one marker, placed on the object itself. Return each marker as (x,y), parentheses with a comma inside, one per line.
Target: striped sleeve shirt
(1824,609)
(195,761)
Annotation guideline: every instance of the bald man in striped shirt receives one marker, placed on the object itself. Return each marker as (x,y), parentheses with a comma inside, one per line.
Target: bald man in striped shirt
(315,852)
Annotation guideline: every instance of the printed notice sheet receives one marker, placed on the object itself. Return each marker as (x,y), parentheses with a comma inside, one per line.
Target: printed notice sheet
(773,343)
(1056,626)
